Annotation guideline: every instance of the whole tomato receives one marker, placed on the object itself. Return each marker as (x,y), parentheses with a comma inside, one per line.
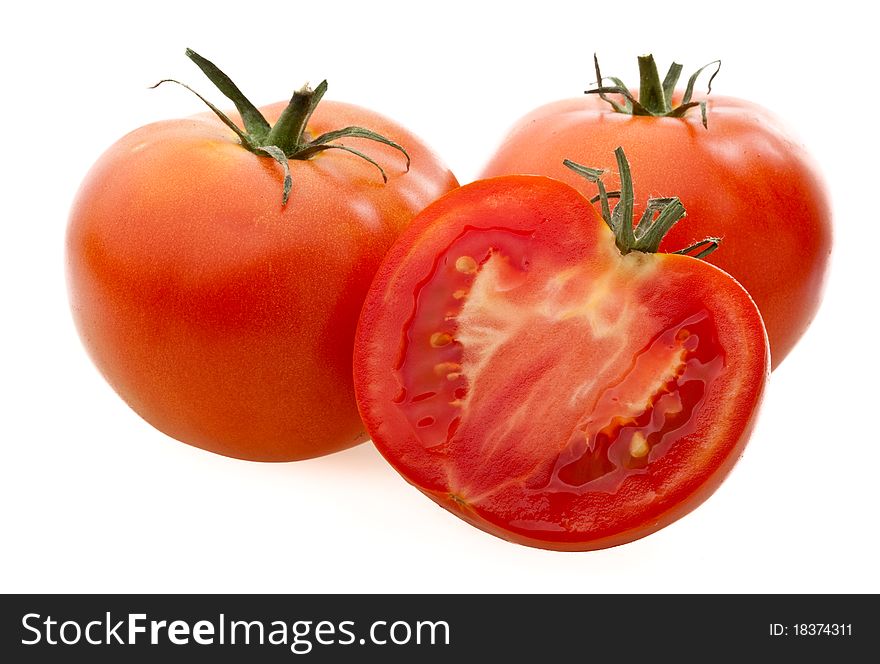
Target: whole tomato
(216,273)
(739,173)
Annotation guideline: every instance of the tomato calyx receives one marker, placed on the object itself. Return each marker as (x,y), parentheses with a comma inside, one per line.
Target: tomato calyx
(655,97)
(288,138)
(660,214)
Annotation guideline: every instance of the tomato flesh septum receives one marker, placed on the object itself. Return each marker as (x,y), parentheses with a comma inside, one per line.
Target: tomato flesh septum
(484,298)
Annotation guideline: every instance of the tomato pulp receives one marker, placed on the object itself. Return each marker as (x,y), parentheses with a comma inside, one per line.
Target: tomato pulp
(516,368)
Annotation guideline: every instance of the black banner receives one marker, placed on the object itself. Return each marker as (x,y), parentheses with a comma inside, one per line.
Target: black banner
(429,628)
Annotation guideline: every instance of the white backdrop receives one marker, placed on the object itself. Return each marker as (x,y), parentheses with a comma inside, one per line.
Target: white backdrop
(94,499)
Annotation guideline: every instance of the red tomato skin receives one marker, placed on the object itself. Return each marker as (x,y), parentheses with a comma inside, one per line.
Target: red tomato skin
(223,318)
(726,422)
(745,179)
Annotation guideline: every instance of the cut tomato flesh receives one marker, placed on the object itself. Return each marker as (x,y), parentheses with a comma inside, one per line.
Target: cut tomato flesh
(491,327)
(636,420)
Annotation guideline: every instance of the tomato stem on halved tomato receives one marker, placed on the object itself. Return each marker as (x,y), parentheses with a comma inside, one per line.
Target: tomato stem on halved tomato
(288,139)
(660,214)
(655,98)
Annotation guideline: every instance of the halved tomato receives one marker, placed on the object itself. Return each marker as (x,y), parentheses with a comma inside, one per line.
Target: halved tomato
(518,368)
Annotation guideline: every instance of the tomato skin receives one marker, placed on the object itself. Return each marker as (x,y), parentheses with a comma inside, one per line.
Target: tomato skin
(491,490)
(745,179)
(223,318)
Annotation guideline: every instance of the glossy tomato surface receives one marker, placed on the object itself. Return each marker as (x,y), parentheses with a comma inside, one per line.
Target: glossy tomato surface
(515,367)
(223,318)
(744,178)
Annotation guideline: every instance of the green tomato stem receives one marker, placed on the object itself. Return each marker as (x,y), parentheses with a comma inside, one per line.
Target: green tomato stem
(660,215)
(289,131)
(288,138)
(651,95)
(655,98)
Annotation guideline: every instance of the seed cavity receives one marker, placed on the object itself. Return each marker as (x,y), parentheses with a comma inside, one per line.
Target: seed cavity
(465,264)
(425,422)
(440,339)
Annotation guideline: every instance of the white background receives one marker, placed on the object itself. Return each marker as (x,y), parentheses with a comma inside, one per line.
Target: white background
(94,499)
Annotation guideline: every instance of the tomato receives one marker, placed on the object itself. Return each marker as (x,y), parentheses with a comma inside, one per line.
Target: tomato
(220,313)
(519,369)
(743,177)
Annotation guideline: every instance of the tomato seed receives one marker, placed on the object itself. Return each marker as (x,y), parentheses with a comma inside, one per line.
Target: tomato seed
(444,368)
(466,264)
(638,446)
(440,339)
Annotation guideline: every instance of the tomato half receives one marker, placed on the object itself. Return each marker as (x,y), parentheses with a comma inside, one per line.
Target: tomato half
(224,317)
(514,366)
(743,177)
